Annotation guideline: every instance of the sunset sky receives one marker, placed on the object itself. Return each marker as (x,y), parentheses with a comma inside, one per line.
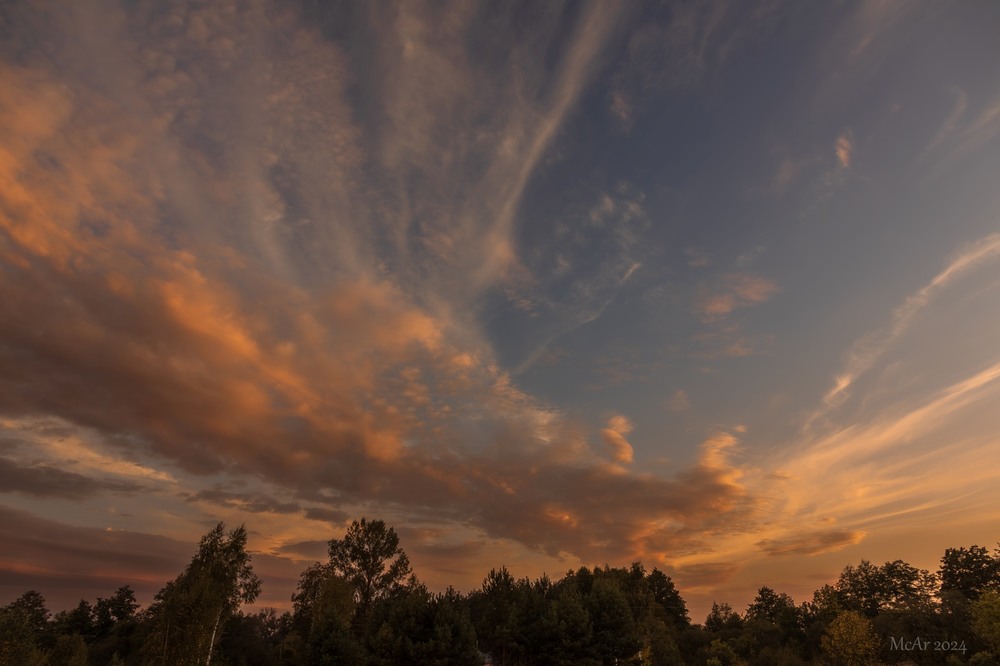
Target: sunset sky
(710,285)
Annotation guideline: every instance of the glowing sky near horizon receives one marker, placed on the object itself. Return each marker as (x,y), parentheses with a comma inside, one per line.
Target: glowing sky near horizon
(712,286)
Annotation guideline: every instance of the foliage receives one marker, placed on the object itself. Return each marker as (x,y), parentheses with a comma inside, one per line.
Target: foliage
(666,596)
(969,571)
(870,589)
(24,631)
(611,621)
(417,627)
(850,640)
(188,614)
(70,650)
(370,560)
(494,611)
(590,617)
(722,618)
(986,618)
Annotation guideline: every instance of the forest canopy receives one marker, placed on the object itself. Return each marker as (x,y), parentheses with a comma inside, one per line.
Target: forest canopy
(365,606)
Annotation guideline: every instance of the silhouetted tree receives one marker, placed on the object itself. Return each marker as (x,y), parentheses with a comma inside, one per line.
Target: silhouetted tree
(666,596)
(969,571)
(494,615)
(370,560)
(612,625)
(188,614)
(24,631)
(871,589)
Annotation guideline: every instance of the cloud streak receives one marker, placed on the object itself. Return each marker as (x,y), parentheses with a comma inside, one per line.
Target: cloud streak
(866,351)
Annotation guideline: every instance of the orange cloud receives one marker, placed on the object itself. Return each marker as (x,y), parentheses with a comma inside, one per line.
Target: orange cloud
(735,290)
(843,149)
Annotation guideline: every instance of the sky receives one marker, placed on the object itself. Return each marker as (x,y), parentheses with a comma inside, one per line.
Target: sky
(711,286)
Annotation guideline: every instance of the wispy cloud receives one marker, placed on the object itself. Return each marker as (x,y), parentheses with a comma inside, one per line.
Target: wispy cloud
(811,544)
(957,140)
(868,349)
(844,149)
(734,291)
(679,401)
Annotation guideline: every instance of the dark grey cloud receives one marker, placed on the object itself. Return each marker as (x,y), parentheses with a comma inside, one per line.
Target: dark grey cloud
(68,563)
(251,502)
(812,543)
(45,480)
(315,549)
(332,516)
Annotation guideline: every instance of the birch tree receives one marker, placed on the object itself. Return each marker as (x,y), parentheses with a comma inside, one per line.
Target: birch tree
(188,614)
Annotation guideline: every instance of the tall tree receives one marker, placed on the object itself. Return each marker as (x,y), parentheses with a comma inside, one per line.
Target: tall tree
(188,614)
(969,571)
(494,614)
(324,608)
(613,626)
(370,559)
(666,596)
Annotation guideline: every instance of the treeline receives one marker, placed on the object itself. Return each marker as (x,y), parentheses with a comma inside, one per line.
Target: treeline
(364,606)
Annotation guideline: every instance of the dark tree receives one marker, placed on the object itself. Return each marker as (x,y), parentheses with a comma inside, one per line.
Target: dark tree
(324,608)
(370,559)
(722,619)
(612,624)
(494,612)
(24,631)
(188,614)
(79,620)
(666,596)
(118,609)
(969,571)
(871,589)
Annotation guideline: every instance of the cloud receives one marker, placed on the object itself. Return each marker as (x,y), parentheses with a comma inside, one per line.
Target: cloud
(866,351)
(307,550)
(614,436)
(956,140)
(844,149)
(811,544)
(735,290)
(251,503)
(604,248)
(332,516)
(67,563)
(705,575)
(879,469)
(786,172)
(679,401)
(41,480)
(697,259)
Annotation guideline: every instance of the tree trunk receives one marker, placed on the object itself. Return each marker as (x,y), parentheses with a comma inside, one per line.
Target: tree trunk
(166,637)
(211,642)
